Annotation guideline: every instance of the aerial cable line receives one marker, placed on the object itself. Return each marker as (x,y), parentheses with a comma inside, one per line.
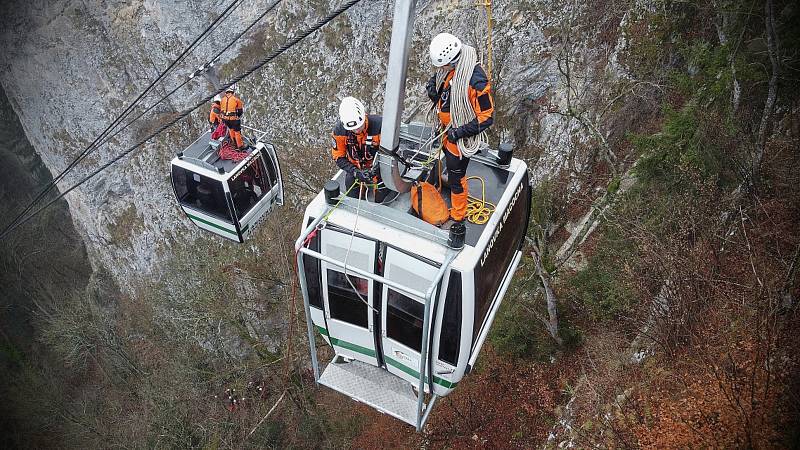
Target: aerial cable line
(119,118)
(185,113)
(185,82)
(124,114)
(207,32)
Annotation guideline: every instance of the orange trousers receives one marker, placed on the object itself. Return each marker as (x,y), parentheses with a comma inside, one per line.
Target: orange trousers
(236,137)
(456,180)
(235,132)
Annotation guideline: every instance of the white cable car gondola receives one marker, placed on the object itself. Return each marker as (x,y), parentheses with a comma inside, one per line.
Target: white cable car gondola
(225,197)
(428,306)
(405,305)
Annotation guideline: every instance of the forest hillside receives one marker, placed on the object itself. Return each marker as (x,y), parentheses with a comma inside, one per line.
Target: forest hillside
(656,304)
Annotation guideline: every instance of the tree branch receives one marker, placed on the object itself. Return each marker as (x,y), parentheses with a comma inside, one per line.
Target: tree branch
(552,308)
(268,414)
(772,92)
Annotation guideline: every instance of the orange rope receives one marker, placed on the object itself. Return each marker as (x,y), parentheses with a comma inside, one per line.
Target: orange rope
(488,5)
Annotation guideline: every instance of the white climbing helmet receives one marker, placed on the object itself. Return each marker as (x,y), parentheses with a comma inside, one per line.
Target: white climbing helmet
(444,49)
(352,113)
(217,98)
(231,88)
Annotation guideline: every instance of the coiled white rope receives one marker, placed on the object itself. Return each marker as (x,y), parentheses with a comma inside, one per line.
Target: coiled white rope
(461,111)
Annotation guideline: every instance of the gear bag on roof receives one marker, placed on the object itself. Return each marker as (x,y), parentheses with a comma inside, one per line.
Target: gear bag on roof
(424,196)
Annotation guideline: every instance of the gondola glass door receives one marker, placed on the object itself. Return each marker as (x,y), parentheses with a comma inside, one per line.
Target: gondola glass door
(349,300)
(256,188)
(403,316)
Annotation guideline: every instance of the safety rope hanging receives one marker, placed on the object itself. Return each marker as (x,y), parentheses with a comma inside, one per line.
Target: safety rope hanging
(461,110)
(488,5)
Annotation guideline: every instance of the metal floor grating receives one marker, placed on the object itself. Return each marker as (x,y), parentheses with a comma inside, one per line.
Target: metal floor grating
(374,386)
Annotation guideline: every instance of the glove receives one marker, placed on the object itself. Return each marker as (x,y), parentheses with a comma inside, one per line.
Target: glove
(433,93)
(363,176)
(454,134)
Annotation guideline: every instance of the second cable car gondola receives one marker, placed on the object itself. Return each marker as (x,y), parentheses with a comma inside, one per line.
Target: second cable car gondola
(226,197)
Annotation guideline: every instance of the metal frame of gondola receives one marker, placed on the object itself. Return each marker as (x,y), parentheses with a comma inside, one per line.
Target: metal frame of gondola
(427,296)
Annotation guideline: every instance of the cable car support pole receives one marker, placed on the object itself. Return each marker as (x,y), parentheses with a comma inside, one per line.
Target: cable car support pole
(309,328)
(396,73)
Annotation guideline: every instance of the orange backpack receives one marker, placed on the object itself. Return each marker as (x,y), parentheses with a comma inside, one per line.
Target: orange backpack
(434,209)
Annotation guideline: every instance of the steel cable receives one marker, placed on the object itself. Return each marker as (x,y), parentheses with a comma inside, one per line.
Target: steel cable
(119,118)
(282,49)
(213,58)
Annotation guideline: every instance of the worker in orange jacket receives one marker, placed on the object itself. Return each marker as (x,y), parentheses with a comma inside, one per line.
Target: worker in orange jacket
(356,138)
(445,50)
(232,109)
(215,116)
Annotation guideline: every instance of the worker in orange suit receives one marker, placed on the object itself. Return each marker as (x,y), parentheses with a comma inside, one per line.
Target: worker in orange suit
(445,50)
(215,116)
(232,109)
(356,138)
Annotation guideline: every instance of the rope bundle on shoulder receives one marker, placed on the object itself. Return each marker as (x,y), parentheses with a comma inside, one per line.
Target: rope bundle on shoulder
(461,111)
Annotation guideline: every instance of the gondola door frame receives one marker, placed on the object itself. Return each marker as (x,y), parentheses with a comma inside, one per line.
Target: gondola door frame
(422,411)
(350,339)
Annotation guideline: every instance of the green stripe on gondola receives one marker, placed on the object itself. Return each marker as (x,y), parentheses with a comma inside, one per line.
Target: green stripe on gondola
(348,345)
(212,224)
(353,347)
(371,353)
(415,374)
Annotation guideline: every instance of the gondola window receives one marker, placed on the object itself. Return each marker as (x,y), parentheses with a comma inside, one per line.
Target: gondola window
(344,303)
(404,318)
(203,193)
(271,171)
(312,270)
(450,338)
(249,185)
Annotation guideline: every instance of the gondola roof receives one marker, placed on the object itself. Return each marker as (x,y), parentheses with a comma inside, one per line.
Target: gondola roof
(204,153)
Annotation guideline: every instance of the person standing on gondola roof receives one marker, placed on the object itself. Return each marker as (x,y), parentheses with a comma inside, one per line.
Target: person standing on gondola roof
(356,139)
(232,109)
(445,54)
(215,115)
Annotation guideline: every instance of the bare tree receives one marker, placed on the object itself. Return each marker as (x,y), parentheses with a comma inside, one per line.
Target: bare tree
(772,92)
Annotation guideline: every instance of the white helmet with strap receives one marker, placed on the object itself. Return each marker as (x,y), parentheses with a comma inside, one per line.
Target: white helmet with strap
(352,113)
(217,98)
(231,88)
(444,49)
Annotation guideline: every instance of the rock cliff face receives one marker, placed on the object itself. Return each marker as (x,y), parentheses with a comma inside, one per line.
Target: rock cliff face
(70,67)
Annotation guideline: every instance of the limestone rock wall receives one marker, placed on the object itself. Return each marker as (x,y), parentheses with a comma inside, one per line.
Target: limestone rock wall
(70,66)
